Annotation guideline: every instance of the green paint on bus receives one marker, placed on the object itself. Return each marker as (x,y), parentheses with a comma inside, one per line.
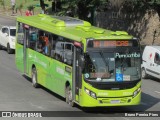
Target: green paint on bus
(79,61)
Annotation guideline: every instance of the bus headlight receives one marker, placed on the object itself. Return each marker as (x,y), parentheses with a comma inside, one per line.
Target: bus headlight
(136,92)
(87,91)
(93,95)
(90,93)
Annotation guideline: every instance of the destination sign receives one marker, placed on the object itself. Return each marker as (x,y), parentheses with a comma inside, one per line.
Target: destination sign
(103,44)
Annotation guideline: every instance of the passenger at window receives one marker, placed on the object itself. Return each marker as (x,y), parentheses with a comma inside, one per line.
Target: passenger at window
(40,48)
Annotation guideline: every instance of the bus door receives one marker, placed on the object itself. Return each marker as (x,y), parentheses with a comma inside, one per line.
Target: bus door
(77,74)
(26,35)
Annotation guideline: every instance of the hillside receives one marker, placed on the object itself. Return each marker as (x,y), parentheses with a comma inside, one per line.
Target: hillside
(145,26)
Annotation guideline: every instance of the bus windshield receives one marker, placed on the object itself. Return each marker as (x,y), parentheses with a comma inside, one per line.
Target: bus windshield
(112,66)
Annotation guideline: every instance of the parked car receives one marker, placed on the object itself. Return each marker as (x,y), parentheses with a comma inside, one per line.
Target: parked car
(151,62)
(7,38)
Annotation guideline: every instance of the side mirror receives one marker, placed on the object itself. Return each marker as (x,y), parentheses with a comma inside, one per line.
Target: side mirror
(6,34)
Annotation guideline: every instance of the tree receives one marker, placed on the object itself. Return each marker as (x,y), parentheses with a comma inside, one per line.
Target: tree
(3,4)
(42,6)
(84,9)
(20,8)
(56,5)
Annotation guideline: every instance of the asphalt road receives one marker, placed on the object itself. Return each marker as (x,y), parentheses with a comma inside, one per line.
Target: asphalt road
(17,94)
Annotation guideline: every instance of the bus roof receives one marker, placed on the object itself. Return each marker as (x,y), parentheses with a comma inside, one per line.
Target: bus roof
(71,28)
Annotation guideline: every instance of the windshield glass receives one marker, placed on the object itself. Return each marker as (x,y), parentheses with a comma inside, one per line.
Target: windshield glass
(12,32)
(112,67)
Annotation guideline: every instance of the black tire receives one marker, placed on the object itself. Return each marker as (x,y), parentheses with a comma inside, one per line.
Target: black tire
(144,74)
(69,98)
(9,50)
(34,78)
(0,47)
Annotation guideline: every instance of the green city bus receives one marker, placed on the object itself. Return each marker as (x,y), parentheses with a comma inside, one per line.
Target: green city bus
(86,65)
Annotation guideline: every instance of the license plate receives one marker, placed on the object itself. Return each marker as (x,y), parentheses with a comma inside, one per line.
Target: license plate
(115,101)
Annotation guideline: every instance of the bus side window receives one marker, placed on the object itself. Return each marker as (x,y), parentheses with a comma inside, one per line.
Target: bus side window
(33,37)
(43,43)
(49,45)
(68,53)
(59,51)
(20,28)
(40,47)
(53,45)
(20,34)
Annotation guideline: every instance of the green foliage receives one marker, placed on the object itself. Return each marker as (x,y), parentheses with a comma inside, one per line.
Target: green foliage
(81,8)
(2,3)
(20,6)
(30,7)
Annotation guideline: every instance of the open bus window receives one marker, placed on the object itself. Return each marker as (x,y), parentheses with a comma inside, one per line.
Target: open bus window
(59,51)
(68,53)
(43,42)
(40,47)
(33,37)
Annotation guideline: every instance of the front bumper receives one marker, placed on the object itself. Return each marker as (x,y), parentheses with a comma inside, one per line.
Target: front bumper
(111,97)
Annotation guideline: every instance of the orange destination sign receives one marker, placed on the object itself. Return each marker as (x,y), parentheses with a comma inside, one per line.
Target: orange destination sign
(97,44)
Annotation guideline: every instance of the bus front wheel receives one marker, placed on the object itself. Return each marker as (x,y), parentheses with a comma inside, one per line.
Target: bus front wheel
(69,98)
(34,78)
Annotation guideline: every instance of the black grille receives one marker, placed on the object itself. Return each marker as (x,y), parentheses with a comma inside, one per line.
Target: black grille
(113,86)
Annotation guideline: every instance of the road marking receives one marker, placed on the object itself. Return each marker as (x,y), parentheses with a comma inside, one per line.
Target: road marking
(157,92)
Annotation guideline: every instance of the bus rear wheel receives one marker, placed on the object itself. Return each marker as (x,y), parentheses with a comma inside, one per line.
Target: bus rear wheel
(34,78)
(69,98)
